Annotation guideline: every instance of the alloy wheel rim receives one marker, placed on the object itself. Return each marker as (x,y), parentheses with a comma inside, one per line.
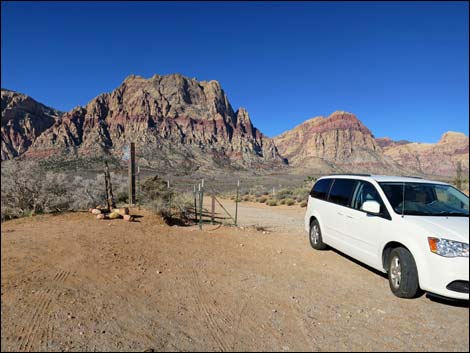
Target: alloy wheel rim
(314,234)
(395,272)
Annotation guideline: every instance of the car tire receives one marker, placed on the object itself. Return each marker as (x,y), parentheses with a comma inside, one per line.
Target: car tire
(314,235)
(403,274)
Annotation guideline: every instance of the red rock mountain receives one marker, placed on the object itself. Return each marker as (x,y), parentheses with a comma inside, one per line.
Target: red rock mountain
(438,159)
(23,120)
(179,123)
(174,121)
(338,142)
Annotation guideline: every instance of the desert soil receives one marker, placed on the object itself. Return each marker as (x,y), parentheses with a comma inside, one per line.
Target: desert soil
(74,283)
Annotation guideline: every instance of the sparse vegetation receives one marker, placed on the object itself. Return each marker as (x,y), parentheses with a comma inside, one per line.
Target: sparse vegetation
(285,196)
(29,189)
(290,202)
(164,201)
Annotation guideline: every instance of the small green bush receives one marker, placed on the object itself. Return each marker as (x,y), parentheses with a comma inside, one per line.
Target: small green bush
(303,204)
(272,203)
(263,199)
(290,202)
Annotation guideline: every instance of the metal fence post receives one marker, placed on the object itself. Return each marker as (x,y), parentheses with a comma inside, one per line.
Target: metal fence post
(201,196)
(169,197)
(213,206)
(195,205)
(236,203)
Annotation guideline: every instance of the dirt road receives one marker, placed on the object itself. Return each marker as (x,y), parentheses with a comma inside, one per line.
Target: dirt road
(73,283)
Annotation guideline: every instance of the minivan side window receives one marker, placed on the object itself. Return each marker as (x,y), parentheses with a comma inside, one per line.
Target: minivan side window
(365,191)
(341,191)
(321,188)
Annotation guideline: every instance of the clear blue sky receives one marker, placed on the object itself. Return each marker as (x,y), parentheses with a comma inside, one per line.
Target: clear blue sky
(402,68)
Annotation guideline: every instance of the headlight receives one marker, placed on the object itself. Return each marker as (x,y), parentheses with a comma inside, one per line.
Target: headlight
(448,248)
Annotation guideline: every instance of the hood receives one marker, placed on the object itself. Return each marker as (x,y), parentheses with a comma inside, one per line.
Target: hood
(453,228)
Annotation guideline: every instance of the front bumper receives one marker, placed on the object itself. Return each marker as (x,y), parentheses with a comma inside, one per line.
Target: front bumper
(447,277)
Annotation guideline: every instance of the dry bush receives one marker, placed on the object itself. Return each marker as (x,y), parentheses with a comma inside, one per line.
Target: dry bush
(303,204)
(166,202)
(283,194)
(29,189)
(272,203)
(290,202)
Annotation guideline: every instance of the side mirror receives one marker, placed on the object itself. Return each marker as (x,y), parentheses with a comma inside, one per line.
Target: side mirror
(371,206)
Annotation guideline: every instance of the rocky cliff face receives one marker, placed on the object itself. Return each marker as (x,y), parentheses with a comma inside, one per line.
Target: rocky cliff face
(181,124)
(339,141)
(438,159)
(174,121)
(23,120)
(385,142)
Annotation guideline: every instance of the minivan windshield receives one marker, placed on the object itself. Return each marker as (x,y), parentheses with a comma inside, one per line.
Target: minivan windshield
(426,199)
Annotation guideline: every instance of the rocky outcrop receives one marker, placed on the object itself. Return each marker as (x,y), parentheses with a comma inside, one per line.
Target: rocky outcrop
(385,142)
(23,120)
(439,159)
(165,116)
(340,140)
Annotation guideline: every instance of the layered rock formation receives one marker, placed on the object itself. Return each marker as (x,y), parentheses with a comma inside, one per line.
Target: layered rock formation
(438,159)
(174,121)
(338,142)
(179,123)
(23,120)
(385,142)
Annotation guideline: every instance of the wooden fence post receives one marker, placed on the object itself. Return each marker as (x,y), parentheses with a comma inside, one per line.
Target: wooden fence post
(109,188)
(132,175)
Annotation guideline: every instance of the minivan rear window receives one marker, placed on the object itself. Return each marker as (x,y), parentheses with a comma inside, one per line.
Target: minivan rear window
(321,188)
(341,191)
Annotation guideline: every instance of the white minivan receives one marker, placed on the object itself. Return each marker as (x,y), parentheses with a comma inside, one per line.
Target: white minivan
(415,230)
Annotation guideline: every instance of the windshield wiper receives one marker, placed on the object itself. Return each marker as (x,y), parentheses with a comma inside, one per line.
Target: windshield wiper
(451,214)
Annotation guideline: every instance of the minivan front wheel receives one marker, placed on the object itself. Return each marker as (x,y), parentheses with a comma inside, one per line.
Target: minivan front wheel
(403,274)
(316,240)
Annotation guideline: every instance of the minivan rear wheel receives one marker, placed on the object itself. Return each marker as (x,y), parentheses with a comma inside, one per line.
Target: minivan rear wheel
(403,274)
(316,240)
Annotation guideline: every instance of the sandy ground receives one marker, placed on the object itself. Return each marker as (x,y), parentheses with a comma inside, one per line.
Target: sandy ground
(73,283)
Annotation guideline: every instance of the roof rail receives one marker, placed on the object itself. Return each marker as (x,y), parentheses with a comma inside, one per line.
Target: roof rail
(357,174)
(414,177)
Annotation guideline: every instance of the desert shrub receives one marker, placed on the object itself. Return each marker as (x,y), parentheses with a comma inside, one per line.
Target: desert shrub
(290,202)
(29,189)
(257,190)
(246,198)
(272,203)
(284,194)
(303,204)
(164,201)
(283,202)
(263,199)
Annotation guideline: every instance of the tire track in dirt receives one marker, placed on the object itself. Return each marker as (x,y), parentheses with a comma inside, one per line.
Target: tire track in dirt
(33,325)
(38,328)
(211,315)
